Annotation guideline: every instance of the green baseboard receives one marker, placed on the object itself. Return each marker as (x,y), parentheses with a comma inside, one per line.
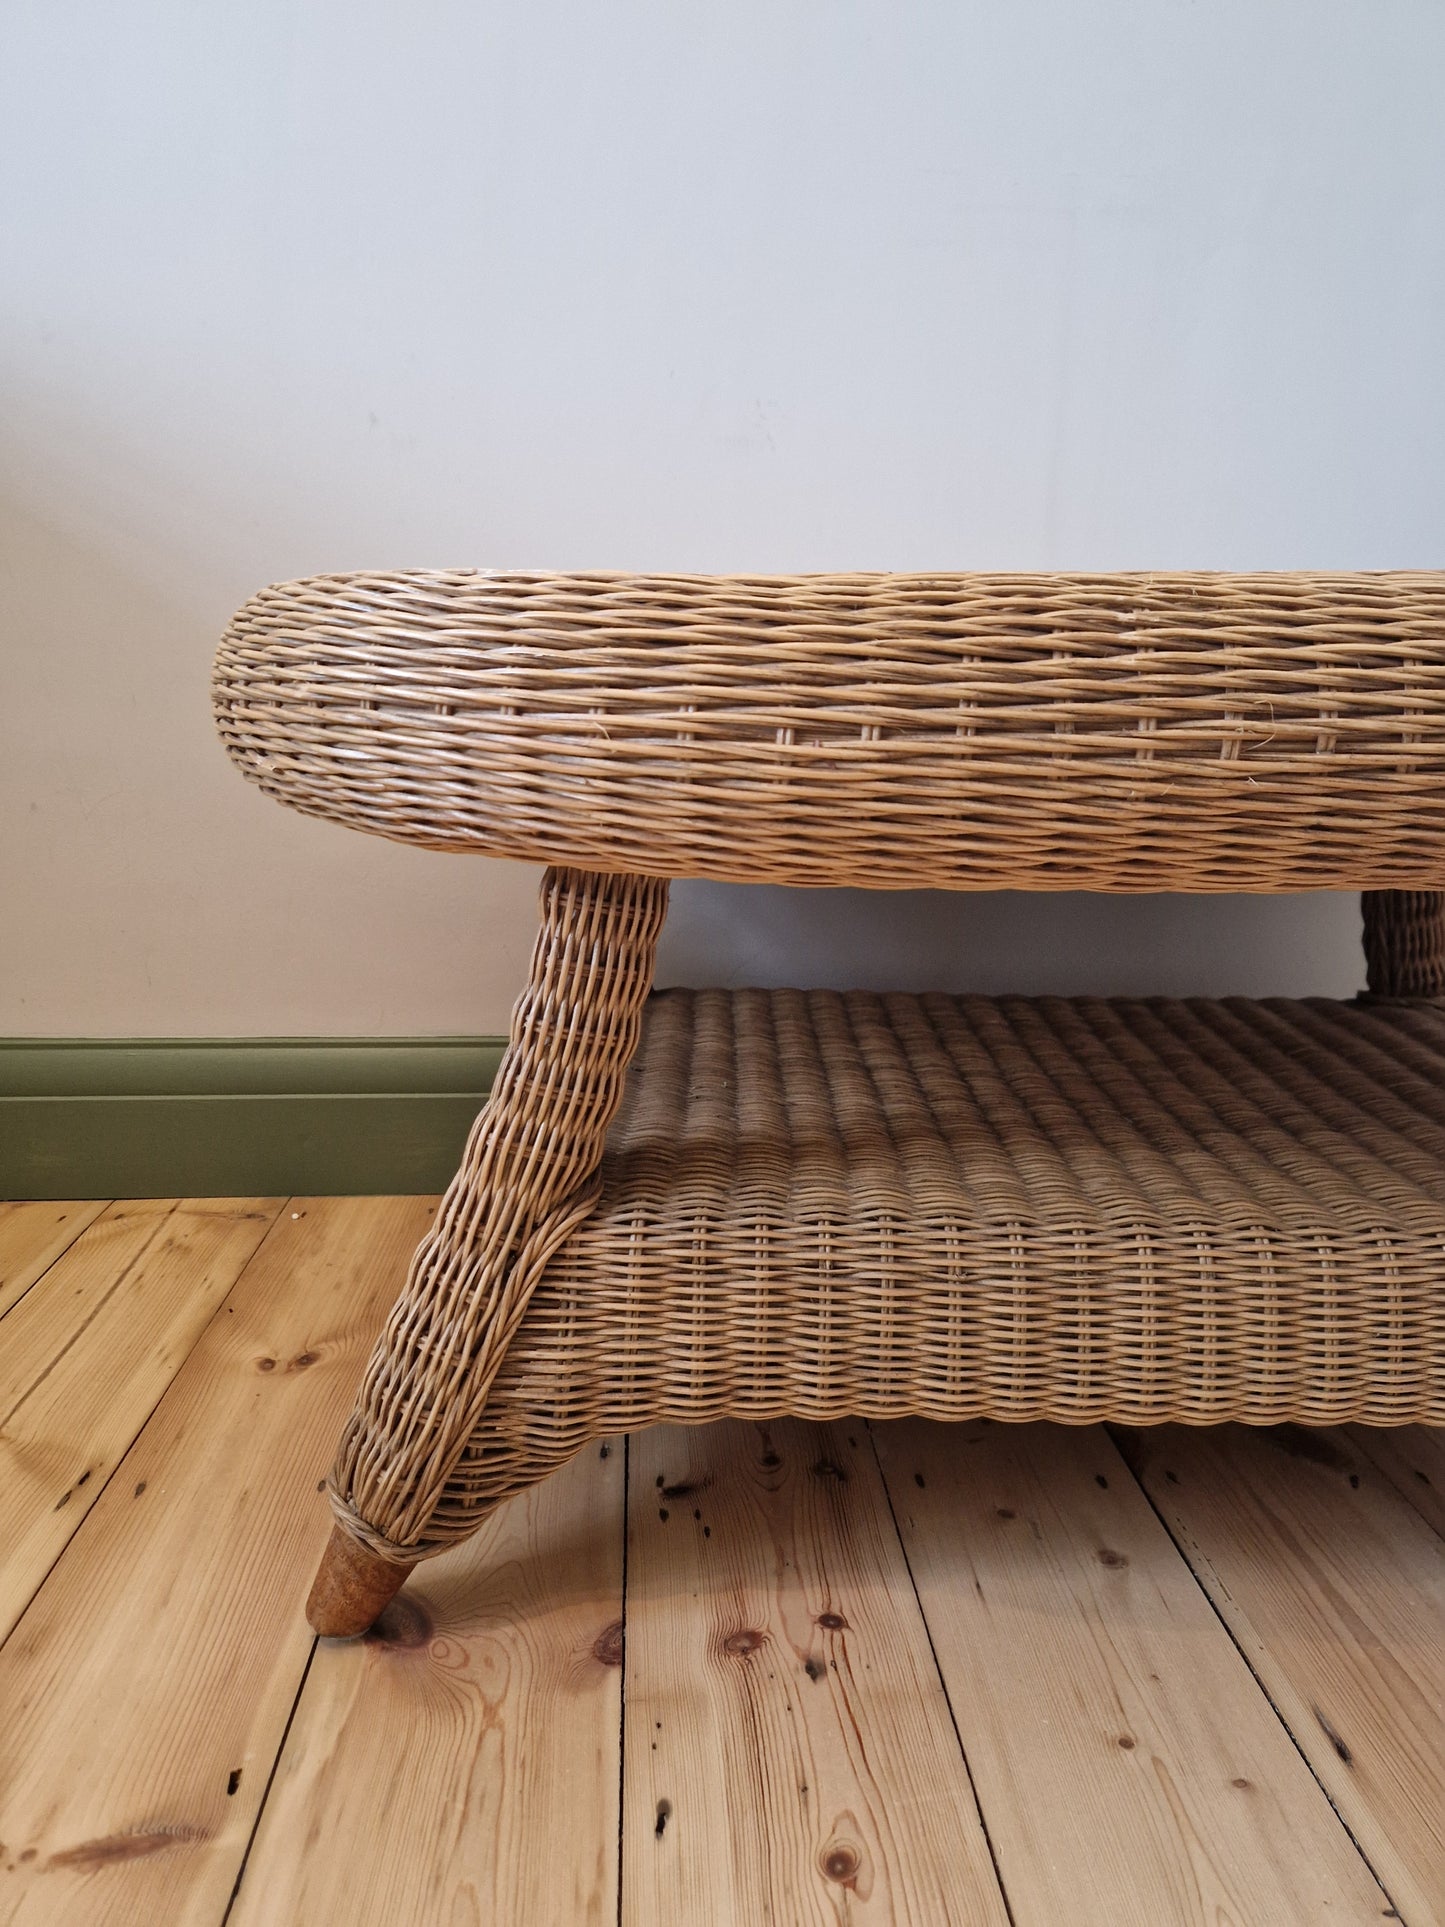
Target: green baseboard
(236,1117)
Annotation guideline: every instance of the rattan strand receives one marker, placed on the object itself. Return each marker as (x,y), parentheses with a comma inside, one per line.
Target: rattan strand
(828,1204)
(1128,732)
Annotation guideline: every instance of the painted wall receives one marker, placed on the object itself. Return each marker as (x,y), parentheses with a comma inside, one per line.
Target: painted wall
(771,285)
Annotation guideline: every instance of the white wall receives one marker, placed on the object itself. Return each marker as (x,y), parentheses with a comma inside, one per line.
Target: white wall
(770,284)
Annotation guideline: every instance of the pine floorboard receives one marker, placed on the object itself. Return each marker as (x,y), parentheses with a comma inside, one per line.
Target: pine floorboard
(790,1753)
(32,1237)
(145,1691)
(1334,1587)
(87,1354)
(478,1725)
(1412,1458)
(1127,1763)
(766,1676)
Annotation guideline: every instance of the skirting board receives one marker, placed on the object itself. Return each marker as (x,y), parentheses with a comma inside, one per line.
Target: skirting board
(236,1117)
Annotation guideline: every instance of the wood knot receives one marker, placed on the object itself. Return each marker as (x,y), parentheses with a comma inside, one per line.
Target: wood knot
(743,1643)
(770,1461)
(814,1668)
(404,1626)
(1108,1557)
(1245,1786)
(302,1361)
(1126,1741)
(826,1469)
(114,1848)
(685,1488)
(834,1622)
(607,1646)
(1335,1738)
(840,1862)
(1005,1512)
(664,1814)
(265,1364)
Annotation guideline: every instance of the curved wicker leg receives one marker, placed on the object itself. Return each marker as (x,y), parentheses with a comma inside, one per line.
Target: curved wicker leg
(527,1176)
(1404,942)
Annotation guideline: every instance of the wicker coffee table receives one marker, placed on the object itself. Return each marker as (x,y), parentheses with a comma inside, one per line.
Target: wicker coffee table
(698,1203)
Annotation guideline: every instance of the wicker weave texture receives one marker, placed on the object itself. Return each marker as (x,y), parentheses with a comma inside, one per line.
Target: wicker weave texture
(1404,942)
(527,1178)
(1128,732)
(1071,1209)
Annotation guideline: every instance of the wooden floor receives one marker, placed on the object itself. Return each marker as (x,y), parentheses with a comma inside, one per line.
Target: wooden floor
(796,1674)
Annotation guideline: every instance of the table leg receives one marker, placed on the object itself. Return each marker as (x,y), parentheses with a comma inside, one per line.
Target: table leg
(401,1489)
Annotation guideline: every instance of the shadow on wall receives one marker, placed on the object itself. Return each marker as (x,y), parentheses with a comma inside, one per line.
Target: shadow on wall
(1307,945)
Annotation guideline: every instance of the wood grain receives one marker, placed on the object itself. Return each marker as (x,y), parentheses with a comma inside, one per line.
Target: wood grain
(144,1695)
(465,1766)
(87,1353)
(32,1237)
(461,1763)
(1335,1589)
(789,1752)
(1129,1768)
(1412,1458)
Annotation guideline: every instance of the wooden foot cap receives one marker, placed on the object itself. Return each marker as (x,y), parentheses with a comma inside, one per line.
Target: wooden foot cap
(352,1586)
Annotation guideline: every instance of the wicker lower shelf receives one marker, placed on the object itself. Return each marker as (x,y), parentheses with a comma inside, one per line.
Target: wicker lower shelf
(1021,1208)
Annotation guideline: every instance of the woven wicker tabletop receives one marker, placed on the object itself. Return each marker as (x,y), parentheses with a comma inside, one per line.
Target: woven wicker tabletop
(1103,732)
